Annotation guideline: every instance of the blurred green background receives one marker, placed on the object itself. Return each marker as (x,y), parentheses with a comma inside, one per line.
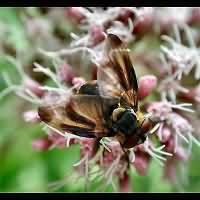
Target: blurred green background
(23,169)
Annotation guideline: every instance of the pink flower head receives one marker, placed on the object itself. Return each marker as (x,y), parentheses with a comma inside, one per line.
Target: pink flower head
(75,13)
(114,160)
(34,87)
(164,133)
(97,34)
(160,110)
(66,73)
(146,84)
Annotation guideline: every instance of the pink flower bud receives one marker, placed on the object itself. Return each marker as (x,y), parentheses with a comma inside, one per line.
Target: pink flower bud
(166,133)
(66,73)
(124,183)
(125,14)
(75,13)
(170,145)
(41,144)
(140,147)
(78,81)
(191,94)
(141,162)
(143,24)
(194,16)
(170,170)
(146,84)
(97,34)
(34,87)
(31,116)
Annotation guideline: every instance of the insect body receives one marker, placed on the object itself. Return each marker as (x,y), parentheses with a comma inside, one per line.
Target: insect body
(107,107)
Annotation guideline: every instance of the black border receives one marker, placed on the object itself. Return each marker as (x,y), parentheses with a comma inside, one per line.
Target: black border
(102,196)
(76,3)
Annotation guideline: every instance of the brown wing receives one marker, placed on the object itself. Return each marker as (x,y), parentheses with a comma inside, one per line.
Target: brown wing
(82,115)
(117,77)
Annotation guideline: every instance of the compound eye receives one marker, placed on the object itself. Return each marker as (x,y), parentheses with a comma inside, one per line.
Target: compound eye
(117,113)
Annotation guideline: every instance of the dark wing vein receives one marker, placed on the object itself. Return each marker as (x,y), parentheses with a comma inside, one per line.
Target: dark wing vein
(83,115)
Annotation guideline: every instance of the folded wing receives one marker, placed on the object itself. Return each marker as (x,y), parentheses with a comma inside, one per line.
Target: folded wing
(82,115)
(117,77)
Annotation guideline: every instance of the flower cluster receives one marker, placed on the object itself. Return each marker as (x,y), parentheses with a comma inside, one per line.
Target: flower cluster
(164,96)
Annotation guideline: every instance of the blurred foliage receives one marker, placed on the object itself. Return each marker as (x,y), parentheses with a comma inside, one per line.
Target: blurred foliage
(23,169)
